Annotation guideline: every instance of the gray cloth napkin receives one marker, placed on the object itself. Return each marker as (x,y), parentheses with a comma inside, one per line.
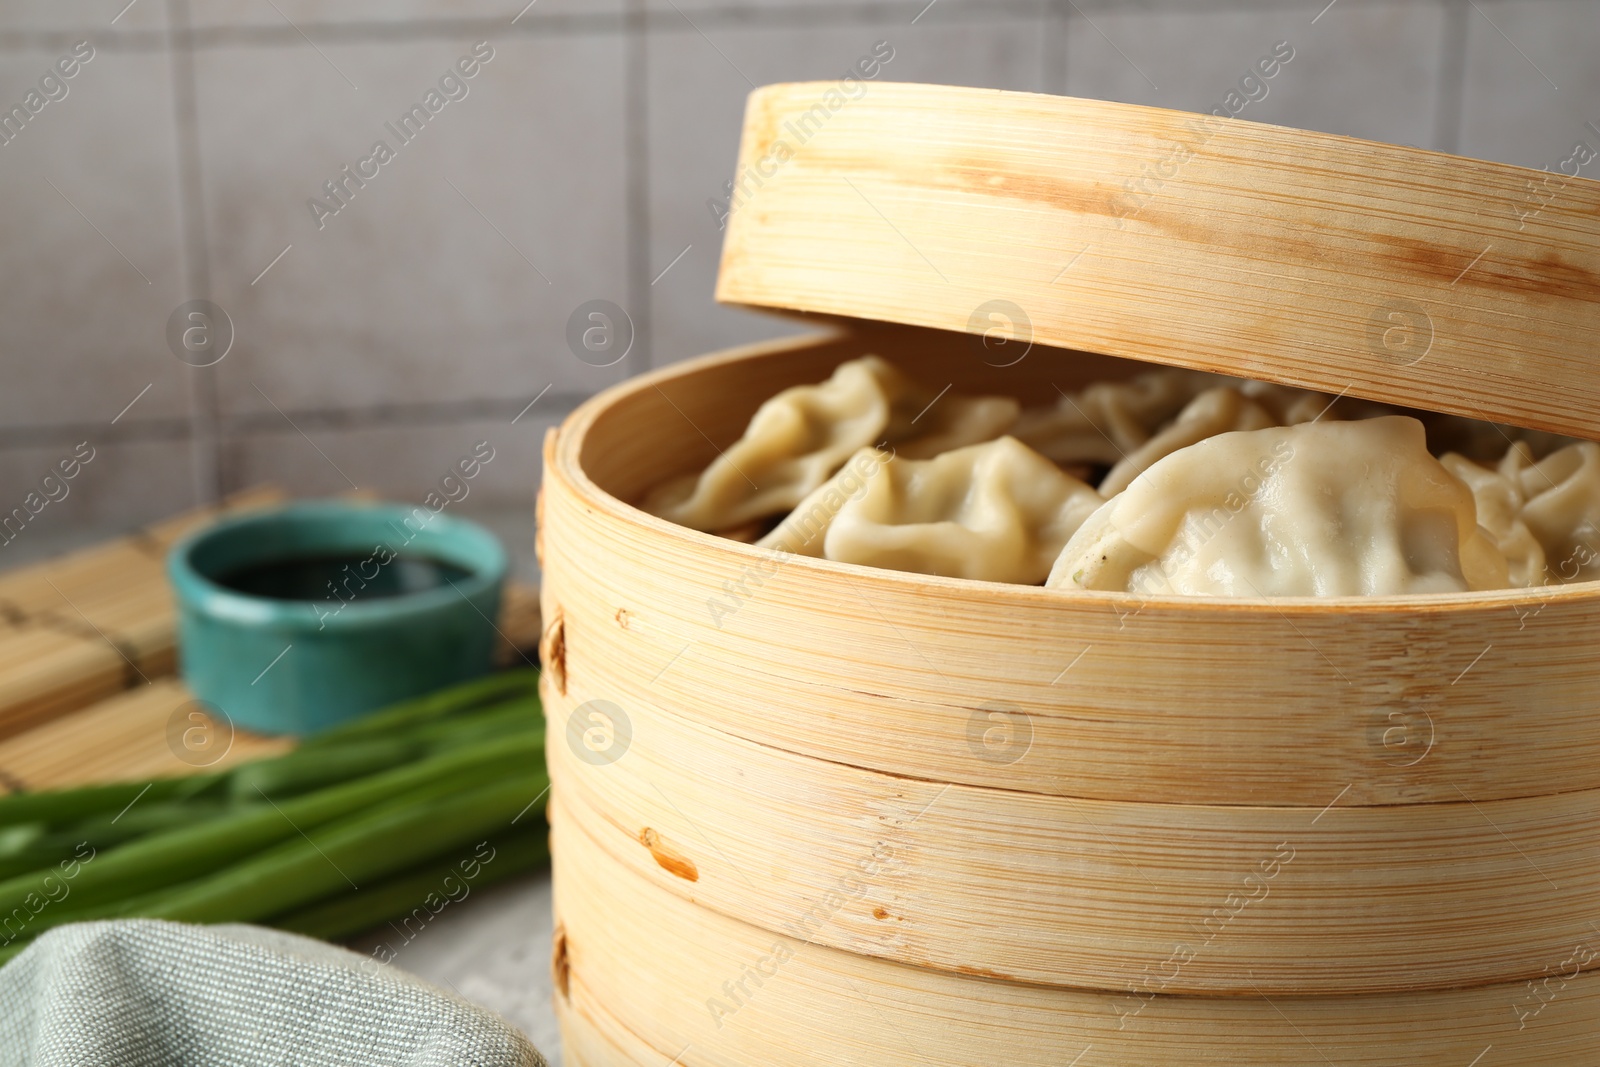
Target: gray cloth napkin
(142,993)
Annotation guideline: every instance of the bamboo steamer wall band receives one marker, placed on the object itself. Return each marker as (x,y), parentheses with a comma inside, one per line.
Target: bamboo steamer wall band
(645,976)
(1343,265)
(1186,701)
(1092,894)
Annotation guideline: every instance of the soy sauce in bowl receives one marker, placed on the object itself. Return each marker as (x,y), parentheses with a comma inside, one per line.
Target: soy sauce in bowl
(294,619)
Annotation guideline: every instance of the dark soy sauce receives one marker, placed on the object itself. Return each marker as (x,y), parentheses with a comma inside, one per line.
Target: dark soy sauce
(341,577)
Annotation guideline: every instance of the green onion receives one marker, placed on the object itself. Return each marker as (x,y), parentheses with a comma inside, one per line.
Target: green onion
(347,852)
(304,771)
(311,768)
(491,689)
(178,855)
(66,805)
(403,894)
(384,802)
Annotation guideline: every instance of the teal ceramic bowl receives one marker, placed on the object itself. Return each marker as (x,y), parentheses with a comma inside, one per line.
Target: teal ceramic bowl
(296,619)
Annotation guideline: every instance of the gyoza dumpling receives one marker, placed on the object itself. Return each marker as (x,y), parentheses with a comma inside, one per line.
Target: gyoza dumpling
(1483,442)
(1237,405)
(1563,508)
(1108,420)
(1500,499)
(1291,405)
(1319,509)
(999,512)
(1214,411)
(1544,513)
(799,438)
(923,423)
(1287,405)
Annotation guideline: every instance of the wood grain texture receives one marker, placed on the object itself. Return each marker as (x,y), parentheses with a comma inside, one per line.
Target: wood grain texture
(90,623)
(592,1037)
(652,976)
(1315,260)
(127,737)
(1088,893)
(1111,696)
(46,672)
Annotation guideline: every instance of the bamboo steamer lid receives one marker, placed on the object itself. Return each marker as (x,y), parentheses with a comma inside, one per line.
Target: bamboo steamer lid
(1309,259)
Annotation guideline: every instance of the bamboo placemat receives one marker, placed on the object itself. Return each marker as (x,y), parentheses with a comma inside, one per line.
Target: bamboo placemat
(126,736)
(93,622)
(88,647)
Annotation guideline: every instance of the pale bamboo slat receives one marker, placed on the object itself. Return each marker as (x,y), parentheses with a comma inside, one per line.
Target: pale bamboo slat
(46,672)
(140,619)
(73,586)
(1394,273)
(592,1036)
(1113,696)
(96,620)
(1090,893)
(123,738)
(650,975)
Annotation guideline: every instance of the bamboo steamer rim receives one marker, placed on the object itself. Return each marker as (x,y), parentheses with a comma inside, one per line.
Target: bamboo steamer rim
(567,458)
(1313,260)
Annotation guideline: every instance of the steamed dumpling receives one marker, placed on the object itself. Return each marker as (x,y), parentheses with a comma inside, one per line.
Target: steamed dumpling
(998,512)
(1485,442)
(1545,513)
(1108,420)
(1319,509)
(1563,508)
(1500,499)
(799,438)
(1214,411)
(1287,405)
(923,423)
(1291,406)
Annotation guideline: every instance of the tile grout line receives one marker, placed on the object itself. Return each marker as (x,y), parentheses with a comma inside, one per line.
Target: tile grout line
(204,407)
(724,15)
(339,419)
(636,210)
(1449,108)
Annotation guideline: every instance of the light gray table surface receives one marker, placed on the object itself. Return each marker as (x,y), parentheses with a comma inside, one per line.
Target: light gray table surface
(493,948)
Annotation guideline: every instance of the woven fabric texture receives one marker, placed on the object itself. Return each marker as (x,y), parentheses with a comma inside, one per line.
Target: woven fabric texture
(143,993)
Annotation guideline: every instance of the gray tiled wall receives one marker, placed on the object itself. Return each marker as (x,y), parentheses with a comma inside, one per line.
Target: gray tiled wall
(431,309)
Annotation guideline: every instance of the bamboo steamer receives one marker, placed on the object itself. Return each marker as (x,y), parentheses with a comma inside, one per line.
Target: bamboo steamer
(1369,824)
